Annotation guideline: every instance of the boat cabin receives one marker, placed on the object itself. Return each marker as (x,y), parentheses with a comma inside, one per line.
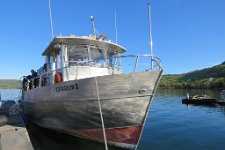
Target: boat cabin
(70,58)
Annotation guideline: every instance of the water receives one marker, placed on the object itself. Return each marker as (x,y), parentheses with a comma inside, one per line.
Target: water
(170,125)
(173,125)
(10,94)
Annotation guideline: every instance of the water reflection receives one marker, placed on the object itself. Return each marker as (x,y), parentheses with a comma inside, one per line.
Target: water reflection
(45,139)
(183,92)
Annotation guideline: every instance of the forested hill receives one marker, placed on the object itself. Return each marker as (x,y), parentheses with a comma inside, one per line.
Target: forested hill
(211,78)
(9,84)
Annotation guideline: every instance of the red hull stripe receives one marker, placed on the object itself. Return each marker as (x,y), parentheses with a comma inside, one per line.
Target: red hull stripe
(128,135)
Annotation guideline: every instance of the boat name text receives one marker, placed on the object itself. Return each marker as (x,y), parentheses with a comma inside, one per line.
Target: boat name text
(67,88)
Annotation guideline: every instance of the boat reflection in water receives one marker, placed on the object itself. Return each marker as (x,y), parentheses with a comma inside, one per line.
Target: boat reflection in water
(45,139)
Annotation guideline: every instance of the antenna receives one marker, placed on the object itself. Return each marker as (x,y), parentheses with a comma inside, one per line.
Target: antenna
(50,13)
(116,28)
(150,33)
(93,25)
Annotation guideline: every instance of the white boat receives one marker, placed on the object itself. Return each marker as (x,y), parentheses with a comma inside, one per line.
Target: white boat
(88,88)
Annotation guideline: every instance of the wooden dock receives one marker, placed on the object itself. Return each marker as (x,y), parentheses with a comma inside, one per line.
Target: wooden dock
(13,133)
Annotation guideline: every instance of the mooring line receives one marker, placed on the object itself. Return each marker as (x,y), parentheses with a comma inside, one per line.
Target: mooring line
(100,110)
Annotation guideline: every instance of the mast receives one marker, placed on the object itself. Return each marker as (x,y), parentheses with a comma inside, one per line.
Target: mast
(150,33)
(50,14)
(116,27)
(93,25)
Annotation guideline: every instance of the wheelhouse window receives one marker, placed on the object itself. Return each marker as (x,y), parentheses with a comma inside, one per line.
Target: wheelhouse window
(86,55)
(77,55)
(51,60)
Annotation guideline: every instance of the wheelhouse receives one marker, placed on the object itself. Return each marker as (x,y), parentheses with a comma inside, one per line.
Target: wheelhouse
(70,58)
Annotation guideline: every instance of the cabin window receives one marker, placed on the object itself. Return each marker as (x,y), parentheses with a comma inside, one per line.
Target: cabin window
(59,60)
(83,55)
(96,57)
(77,55)
(51,59)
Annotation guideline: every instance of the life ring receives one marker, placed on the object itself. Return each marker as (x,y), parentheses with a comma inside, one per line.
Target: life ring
(58,77)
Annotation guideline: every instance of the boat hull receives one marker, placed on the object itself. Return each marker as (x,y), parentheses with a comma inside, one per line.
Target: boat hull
(72,107)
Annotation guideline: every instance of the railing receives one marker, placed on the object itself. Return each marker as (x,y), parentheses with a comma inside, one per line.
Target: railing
(140,63)
(125,64)
(150,62)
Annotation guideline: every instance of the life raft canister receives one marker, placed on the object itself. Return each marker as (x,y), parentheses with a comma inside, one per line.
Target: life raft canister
(58,77)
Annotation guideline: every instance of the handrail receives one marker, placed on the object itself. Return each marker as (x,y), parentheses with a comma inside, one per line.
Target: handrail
(153,57)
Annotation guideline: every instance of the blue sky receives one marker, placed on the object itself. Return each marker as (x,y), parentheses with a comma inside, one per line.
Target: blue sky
(187,34)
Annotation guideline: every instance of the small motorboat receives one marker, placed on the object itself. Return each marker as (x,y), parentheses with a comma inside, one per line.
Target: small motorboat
(199,99)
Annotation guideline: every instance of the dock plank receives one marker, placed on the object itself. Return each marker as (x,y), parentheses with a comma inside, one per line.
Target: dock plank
(13,134)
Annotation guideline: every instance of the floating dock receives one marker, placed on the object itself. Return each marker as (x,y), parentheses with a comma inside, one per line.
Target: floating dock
(203,101)
(13,133)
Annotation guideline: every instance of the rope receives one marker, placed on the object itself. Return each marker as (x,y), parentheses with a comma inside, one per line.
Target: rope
(100,110)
